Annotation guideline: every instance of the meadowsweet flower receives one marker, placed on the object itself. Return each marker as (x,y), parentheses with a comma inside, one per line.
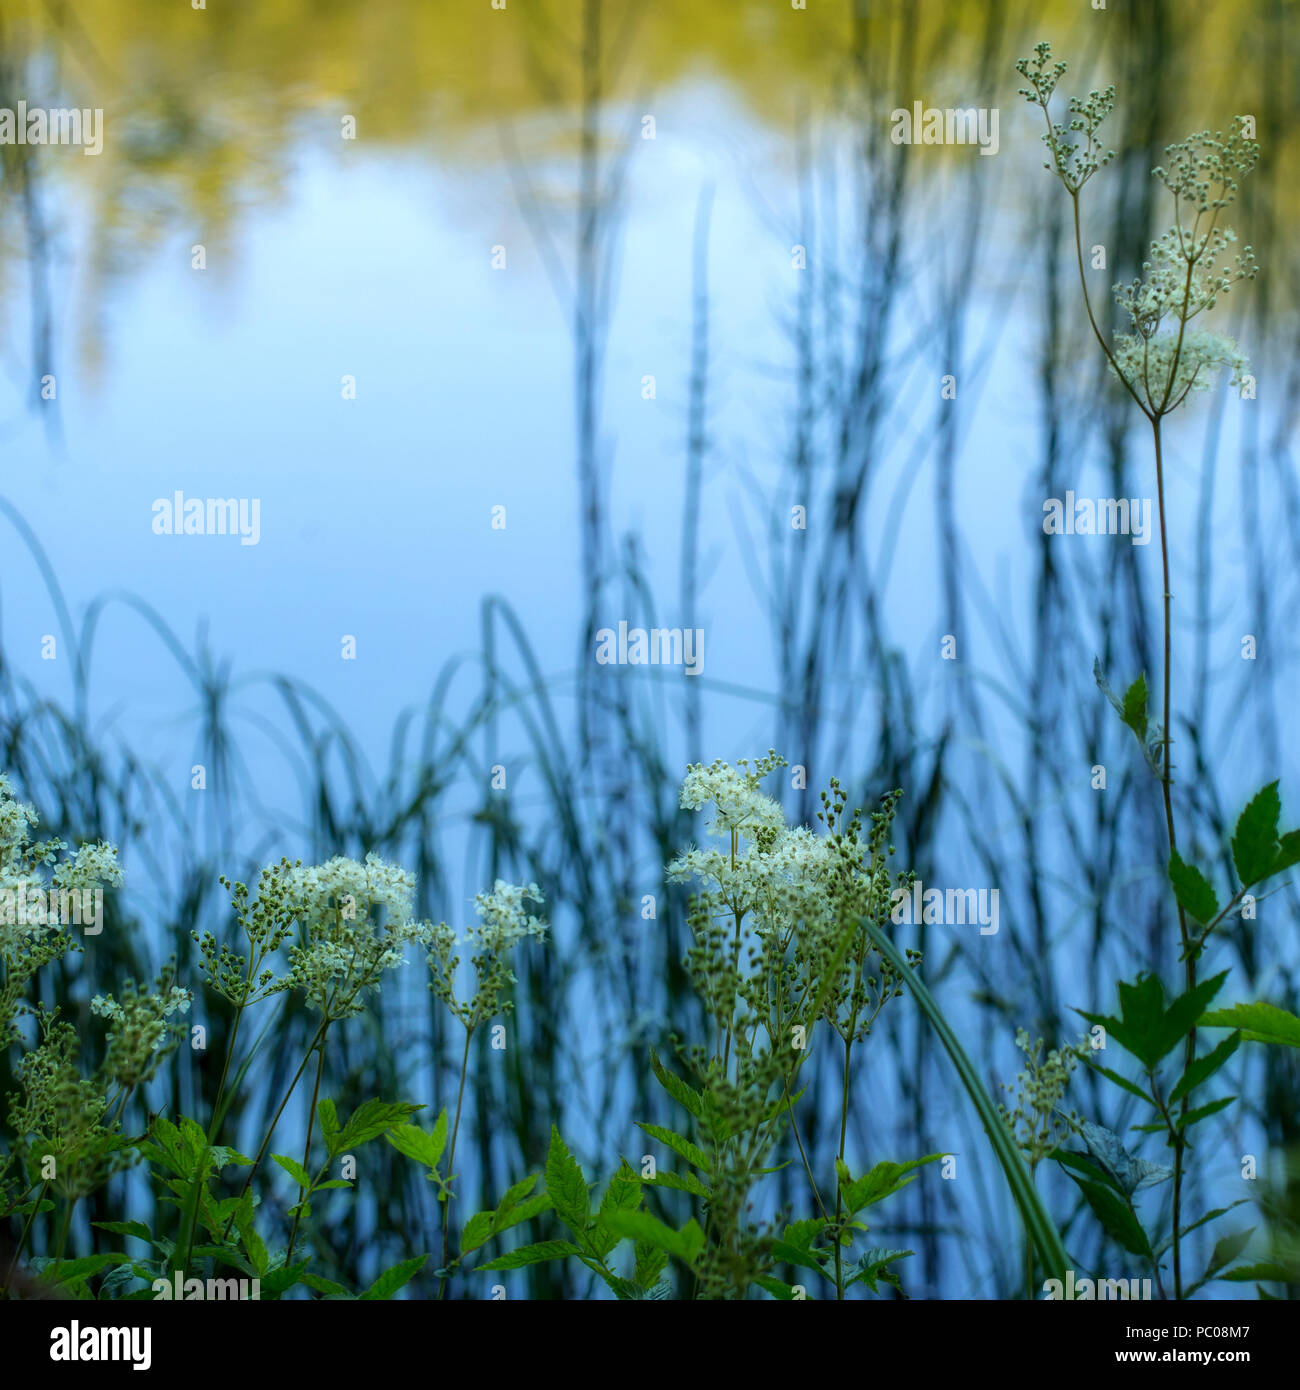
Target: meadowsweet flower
(140,1038)
(93,866)
(1189,268)
(356,921)
(1037,1123)
(30,870)
(739,806)
(16,821)
(61,1114)
(504,921)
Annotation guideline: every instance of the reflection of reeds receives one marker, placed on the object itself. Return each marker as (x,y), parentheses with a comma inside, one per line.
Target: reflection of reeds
(990,763)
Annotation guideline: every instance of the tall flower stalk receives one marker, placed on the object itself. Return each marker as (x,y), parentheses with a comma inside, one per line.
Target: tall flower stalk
(1159,362)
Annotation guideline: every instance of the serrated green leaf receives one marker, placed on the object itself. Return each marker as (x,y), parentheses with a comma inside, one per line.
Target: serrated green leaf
(690,1099)
(1134,710)
(1264,1023)
(516,1194)
(1131,1087)
(682,1147)
(126,1228)
(1193,890)
(1117,1216)
(650,1262)
(1204,1067)
(477,1232)
(1204,1112)
(1255,847)
(328,1115)
(678,1182)
(325,1286)
(567,1186)
(253,1243)
(369,1121)
(393,1279)
(1267,1270)
(778,1288)
(685,1244)
(533,1254)
(882,1181)
(294,1169)
(424,1147)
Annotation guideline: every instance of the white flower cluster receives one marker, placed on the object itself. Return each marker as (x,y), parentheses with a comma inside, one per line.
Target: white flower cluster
(503,922)
(93,866)
(357,920)
(1147,364)
(739,806)
(176,1000)
(781,881)
(354,887)
(16,821)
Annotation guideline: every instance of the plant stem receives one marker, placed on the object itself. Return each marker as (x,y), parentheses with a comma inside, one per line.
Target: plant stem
(306,1151)
(22,1240)
(1166,786)
(293,1086)
(451,1159)
(225,1071)
(63,1229)
(839,1191)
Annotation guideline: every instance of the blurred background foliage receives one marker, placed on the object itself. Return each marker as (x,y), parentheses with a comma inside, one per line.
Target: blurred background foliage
(208,112)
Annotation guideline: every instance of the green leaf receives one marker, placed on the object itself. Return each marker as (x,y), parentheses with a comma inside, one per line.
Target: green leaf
(1204,1067)
(650,1262)
(521,1211)
(691,1100)
(126,1228)
(253,1242)
(622,1194)
(1146,1028)
(806,1259)
(1255,848)
(1038,1223)
(684,1244)
(516,1194)
(678,1182)
(325,1286)
(683,1148)
(801,1234)
(777,1288)
(1117,1216)
(415,1143)
(329,1123)
(566,1186)
(1204,1112)
(533,1254)
(1264,1023)
(277,1281)
(72,1271)
(1226,1249)
(1289,853)
(881,1182)
(1266,1270)
(393,1279)
(225,1255)
(477,1232)
(1134,709)
(1200,1221)
(873,1266)
(1131,1087)
(368,1122)
(294,1169)
(1193,890)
